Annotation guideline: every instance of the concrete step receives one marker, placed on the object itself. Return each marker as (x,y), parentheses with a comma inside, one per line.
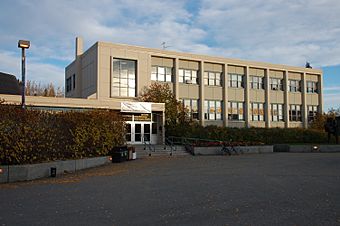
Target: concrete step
(141,153)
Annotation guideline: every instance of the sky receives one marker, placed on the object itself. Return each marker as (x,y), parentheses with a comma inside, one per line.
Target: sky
(276,31)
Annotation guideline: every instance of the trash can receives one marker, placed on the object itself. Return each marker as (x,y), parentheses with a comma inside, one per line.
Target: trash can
(53,171)
(132,153)
(119,154)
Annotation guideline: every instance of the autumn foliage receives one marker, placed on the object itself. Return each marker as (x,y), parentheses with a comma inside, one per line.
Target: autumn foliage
(33,136)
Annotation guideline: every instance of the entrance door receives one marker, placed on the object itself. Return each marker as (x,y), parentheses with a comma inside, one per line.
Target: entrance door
(138,132)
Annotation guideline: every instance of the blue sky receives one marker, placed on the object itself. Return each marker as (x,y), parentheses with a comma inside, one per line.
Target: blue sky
(277,31)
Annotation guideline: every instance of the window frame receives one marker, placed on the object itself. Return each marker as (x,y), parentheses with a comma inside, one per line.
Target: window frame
(238,115)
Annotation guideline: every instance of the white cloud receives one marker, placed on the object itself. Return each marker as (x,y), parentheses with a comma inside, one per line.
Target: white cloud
(285,32)
(332,88)
(41,72)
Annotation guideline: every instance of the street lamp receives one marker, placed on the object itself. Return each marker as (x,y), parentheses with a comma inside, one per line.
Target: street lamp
(23,44)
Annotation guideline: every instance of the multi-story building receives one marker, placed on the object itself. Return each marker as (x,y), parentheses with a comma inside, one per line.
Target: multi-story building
(217,91)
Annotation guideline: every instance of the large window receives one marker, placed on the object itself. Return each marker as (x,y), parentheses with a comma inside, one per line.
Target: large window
(235,111)
(294,86)
(212,110)
(312,112)
(212,78)
(235,80)
(257,112)
(161,74)
(312,87)
(256,82)
(276,84)
(192,106)
(295,113)
(123,78)
(276,111)
(187,76)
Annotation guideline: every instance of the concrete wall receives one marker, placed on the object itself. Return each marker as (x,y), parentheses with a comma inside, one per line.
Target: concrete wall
(35,171)
(239,149)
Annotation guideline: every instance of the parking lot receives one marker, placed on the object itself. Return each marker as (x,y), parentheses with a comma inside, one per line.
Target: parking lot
(258,189)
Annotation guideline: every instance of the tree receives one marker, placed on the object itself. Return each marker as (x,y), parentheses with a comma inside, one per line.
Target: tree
(34,88)
(161,93)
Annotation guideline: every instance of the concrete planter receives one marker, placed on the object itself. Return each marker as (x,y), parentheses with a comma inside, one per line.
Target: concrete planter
(314,148)
(41,170)
(239,149)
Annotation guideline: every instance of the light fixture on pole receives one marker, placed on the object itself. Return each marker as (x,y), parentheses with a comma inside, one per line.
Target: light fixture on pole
(23,44)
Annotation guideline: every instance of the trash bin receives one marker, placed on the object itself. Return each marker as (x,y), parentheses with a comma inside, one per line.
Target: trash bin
(132,153)
(119,154)
(53,171)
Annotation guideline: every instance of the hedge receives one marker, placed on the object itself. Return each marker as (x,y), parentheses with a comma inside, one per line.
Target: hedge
(249,135)
(32,136)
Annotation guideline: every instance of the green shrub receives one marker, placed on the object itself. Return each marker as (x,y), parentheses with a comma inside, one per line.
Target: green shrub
(33,136)
(260,135)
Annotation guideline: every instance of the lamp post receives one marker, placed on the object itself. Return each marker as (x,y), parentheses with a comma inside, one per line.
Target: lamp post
(23,44)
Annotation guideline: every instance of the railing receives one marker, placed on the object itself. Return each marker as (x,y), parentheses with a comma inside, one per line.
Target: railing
(147,144)
(170,143)
(189,143)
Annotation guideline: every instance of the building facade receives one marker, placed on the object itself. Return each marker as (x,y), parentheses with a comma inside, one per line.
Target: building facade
(217,91)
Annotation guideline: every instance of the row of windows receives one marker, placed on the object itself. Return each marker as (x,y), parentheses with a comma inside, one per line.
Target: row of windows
(213,111)
(124,79)
(164,74)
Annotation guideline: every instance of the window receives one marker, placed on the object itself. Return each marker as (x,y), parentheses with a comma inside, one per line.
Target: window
(257,112)
(294,86)
(212,78)
(68,84)
(235,80)
(212,110)
(256,82)
(123,78)
(187,76)
(276,84)
(312,87)
(295,113)
(192,106)
(276,111)
(312,112)
(161,74)
(235,111)
(74,80)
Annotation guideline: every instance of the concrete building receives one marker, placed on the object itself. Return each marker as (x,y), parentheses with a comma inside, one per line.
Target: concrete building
(217,91)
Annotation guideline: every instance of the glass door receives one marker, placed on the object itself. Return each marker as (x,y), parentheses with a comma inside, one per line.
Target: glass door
(146,132)
(138,133)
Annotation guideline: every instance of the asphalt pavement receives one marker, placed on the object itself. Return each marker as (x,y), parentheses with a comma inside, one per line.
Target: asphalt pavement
(258,189)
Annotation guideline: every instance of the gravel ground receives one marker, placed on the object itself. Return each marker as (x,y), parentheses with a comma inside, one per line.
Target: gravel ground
(262,189)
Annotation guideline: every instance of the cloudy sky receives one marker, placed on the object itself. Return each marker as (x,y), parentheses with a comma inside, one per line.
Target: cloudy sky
(277,31)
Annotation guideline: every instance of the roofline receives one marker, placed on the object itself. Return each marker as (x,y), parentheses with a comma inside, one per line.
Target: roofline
(212,59)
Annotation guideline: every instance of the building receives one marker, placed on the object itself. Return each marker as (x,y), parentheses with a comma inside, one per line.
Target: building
(9,84)
(217,91)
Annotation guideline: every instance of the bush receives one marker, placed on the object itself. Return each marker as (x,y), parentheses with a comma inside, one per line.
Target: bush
(33,136)
(250,135)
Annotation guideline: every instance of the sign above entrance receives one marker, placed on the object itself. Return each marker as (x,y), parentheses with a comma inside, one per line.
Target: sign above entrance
(135,107)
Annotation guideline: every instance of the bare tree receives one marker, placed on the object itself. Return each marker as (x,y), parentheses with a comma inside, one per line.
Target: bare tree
(34,88)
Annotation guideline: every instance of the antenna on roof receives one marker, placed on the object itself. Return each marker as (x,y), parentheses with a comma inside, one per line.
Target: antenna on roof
(164,46)
(308,65)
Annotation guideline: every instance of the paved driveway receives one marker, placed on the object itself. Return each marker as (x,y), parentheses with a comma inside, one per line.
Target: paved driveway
(267,189)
